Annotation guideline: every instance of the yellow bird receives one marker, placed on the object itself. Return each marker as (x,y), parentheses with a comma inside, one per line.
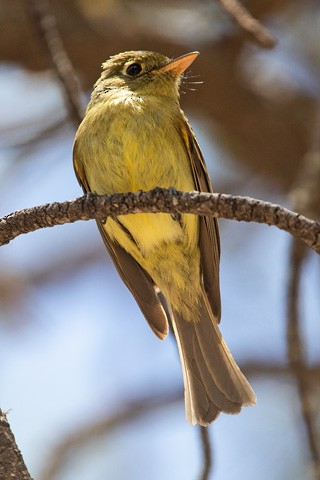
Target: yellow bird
(135,136)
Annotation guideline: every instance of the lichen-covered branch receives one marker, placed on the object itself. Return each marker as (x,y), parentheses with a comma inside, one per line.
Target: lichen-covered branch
(12,465)
(160,200)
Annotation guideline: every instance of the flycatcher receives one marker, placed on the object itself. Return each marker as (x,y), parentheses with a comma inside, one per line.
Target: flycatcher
(135,136)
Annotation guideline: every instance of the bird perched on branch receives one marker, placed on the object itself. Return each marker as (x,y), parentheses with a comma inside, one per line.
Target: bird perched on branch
(135,136)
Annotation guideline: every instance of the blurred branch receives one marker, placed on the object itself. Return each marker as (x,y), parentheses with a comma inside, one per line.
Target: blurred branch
(306,196)
(12,465)
(46,24)
(107,423)
(296,354)
(207,455)
(160,200)
(257,368)
(262,124)
(104,426)
(249,23)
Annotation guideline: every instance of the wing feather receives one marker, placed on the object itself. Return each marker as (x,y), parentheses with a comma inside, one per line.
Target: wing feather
(209,240)
(133,275)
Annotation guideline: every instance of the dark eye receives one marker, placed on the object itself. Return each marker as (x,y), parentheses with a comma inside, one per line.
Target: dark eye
(134,69)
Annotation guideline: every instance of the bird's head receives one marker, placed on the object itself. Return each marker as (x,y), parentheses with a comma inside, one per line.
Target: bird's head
(143,73)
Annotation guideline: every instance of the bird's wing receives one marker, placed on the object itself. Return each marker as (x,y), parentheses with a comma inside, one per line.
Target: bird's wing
(133,275)
(209,240)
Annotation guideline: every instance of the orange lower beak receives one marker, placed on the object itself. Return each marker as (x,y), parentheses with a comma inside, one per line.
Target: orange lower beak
(180,64)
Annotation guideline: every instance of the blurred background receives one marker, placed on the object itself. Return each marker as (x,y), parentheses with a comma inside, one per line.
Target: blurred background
(92,393)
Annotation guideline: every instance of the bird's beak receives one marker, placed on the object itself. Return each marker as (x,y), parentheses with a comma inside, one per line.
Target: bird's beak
(180,64)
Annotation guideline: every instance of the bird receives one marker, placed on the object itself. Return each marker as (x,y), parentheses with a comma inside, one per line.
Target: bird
(135,136)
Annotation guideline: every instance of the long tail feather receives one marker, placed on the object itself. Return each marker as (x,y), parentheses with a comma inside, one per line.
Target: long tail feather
(213,381)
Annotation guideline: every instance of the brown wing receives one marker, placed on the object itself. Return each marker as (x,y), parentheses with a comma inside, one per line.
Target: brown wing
(209,231)
(133,275)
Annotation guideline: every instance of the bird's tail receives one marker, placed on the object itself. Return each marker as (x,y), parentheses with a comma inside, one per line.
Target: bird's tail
(213,381)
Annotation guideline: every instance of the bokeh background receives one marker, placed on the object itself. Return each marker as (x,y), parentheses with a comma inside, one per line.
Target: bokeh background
(92,393)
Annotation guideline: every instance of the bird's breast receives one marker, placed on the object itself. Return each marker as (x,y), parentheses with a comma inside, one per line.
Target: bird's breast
(137,146)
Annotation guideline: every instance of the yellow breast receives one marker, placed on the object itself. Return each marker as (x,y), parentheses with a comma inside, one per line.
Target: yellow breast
(135,145)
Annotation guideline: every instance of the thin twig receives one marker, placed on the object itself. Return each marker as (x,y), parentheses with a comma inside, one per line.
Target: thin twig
(250,24)
(12,465)
(207,454)
(46,24)
(160,200)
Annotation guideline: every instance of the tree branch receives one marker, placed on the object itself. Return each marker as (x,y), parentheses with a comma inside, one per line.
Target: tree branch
(249,23)
(305,193)
(104,426)
(160,200)
(46,24)
(11,462)
(207,454)
(133,410)
(297,355)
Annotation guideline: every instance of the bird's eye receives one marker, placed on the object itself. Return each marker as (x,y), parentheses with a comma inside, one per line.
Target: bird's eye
(134,69)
